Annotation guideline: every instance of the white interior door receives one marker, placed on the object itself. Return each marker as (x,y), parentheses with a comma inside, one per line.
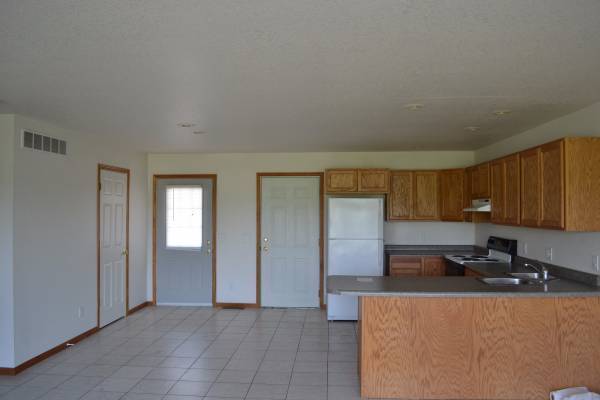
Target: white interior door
(113,245)
(290,242)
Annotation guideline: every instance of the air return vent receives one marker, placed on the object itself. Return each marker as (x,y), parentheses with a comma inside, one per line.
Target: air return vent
(36,141)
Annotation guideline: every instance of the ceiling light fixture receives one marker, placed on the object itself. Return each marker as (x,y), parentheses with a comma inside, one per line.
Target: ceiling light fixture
(186,124)
(501,113)
(199,132)
(472,128)
(414,106)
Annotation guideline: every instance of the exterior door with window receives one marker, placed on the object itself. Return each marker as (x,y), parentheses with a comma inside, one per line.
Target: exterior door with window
(184,241)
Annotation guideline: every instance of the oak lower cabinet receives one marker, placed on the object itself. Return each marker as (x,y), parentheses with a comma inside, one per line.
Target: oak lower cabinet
(559,184)
(352,180)
(452,189)
(417,266)
(470,272)
(505,190)
(414,195)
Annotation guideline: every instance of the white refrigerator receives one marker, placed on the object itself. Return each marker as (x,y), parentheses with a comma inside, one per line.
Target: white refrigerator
(354,246)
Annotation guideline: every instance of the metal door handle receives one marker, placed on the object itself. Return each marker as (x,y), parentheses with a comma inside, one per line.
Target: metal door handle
(124,252)
(208,247)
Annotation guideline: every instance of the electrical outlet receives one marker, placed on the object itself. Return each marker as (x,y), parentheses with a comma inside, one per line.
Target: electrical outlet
(596,262)
(525,249)
(80,312)
(549,254)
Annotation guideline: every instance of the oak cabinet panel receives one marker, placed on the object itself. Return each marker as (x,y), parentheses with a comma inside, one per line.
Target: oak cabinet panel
(530,187)
(452,195)
(470,272)
(406,266)
(373,180)
(341,180)
(434,266)
(399,202)
(497,191)
(512,190)
(425,203)
(552,184)
(504,190)
(480,181)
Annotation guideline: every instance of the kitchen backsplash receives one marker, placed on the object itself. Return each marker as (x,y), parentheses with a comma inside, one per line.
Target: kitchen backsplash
(422,233)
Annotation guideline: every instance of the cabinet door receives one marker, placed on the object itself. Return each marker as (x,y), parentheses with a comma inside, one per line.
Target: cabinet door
(373,180)
(399,201)
(552,184)
(497,191)
(406,266)
(530,187)
(451,195)
(483,172)
(434,266)
(425,203)
(468,216)
(341,180)
(512,190)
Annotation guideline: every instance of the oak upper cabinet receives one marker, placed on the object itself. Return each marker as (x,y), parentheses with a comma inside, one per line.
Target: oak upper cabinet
(468,216)
(552,168)
(434,266)
(399,201)
(341,180)
(560,185)
(373,180)
(530,187)
(505,190)
(425,202)
(351,180)
(406,266)
(480,181)
(452,194)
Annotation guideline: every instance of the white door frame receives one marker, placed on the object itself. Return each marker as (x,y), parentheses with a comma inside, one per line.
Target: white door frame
(259,176)
(125,171)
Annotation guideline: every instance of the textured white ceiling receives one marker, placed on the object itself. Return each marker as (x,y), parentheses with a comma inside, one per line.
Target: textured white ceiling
(300,75)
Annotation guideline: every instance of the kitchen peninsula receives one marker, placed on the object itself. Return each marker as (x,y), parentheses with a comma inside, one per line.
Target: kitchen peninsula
(457,337)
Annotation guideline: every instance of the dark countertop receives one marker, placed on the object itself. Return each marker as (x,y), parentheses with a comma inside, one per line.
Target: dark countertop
(453,286)
(432,250)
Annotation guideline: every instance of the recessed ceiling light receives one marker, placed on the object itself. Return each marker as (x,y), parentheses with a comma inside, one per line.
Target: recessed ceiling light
(500,113)
(199,132)
(414,106)
(186,124)
(472,128)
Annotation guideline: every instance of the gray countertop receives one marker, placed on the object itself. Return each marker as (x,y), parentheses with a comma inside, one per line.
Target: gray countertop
(452,286)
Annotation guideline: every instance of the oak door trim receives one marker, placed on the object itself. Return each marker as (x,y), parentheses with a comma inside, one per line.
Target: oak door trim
(259,176)
(213,178)
(125,171)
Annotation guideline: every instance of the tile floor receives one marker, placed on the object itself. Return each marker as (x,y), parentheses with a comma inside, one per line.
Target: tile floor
(189,353)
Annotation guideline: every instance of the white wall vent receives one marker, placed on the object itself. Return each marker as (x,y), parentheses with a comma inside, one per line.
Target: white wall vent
(36,141)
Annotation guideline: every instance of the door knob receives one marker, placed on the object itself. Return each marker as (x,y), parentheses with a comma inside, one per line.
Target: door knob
(208,247)
(124,252)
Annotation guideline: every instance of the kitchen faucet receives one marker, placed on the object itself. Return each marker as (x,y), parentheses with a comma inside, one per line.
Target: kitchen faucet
(540,269)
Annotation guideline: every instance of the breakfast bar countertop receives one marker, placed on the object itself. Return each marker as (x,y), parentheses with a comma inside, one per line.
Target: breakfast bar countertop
(451,286)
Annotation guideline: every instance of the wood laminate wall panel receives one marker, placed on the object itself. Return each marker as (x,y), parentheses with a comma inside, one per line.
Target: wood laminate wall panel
(478,348)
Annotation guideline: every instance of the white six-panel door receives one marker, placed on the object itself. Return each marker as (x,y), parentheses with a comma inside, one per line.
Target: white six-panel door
(290,242)
(113,250)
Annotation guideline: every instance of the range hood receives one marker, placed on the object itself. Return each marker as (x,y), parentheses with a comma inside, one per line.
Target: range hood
(479,205)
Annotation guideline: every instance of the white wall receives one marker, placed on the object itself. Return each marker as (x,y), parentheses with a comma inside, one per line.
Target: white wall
(236,202)
(55,236)
(574,250)
(7,355)
(418,233)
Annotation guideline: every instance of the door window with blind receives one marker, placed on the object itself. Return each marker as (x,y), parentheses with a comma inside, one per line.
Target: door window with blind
(184,217)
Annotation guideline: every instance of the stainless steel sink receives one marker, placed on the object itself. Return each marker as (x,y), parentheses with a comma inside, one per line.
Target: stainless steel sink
(529,275)
(506,281)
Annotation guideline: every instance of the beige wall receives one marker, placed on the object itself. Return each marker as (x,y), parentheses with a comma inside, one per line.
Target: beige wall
(236,202)
(574,250)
